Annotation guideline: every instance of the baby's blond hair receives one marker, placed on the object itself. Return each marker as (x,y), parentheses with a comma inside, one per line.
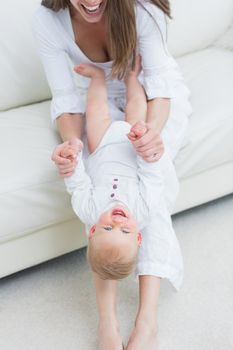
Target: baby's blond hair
(109,263)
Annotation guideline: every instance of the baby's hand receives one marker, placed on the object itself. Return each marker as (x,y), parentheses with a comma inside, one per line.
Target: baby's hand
(137,131)
(72,148)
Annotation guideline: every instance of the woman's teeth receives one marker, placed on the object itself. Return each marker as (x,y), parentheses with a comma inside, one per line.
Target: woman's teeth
(91,9)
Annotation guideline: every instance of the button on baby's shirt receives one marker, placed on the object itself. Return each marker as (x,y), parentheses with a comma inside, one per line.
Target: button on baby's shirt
(114,186)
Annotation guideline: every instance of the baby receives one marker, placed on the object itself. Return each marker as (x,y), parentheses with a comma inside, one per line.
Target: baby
(116,191)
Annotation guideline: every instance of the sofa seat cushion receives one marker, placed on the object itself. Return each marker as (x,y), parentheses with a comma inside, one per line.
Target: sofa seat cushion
(32,195)
(209,75)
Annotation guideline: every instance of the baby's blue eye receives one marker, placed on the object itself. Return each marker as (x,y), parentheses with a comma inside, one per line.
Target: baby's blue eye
(108,228)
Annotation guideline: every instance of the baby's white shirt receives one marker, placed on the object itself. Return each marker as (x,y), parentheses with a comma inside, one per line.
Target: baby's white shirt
(115,174)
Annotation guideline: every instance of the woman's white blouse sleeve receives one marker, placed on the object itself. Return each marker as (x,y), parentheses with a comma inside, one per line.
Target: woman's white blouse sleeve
(159,67)
(65,95)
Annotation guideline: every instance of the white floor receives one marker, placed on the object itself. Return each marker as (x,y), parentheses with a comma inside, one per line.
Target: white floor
(52,306)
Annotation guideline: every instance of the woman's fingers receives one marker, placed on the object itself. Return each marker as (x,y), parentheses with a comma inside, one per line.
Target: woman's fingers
(64,170)
(150,140)
(146,139)
(66,174)
(152,154)
(65,166)
(152,145)
(56,155)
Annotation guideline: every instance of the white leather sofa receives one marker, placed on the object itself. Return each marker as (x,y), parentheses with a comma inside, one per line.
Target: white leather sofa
(36,219)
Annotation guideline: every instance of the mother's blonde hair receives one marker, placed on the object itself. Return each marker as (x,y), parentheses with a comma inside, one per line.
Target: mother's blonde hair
(121,23)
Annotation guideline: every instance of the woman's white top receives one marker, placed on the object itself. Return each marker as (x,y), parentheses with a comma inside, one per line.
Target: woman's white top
(113,174)
(55,40)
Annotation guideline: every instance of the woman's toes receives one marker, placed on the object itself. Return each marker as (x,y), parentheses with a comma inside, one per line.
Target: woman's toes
(109,337)
(143,338)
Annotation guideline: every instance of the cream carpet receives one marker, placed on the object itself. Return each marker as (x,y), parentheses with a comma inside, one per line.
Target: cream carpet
(52,306)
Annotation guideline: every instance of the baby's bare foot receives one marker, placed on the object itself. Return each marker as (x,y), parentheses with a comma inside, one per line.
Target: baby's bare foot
(89,71)
(109,336)
(143,337)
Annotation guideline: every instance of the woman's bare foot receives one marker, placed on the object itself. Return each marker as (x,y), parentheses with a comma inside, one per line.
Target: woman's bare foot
(109,336)
(144,336)
(89,71)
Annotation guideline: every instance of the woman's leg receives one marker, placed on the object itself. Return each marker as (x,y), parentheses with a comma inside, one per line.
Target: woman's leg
(144,335)
(109,332)
(149,288)
(160,255)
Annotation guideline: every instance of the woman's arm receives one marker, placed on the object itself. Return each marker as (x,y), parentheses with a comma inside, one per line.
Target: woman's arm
(160,76)
(150,147)
(67,107)
(158,111)
(70,125)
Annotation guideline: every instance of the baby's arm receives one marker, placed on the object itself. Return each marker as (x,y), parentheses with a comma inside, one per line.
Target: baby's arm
(80,187)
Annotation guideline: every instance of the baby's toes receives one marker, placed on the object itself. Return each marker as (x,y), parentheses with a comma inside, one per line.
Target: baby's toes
(88,70)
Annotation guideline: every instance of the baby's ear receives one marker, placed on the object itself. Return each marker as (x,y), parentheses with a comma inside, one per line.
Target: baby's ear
(139,238)
(92,230)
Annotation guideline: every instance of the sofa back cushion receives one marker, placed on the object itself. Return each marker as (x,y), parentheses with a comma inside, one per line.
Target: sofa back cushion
(21,73)
(197,24)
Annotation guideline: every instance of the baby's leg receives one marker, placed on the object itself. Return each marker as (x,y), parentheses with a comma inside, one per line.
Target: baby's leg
(136,103)
(97,113)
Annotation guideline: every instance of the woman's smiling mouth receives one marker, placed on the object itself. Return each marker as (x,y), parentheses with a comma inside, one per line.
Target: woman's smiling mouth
(92,10)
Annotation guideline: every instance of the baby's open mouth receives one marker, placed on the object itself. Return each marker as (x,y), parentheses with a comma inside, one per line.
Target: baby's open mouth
(119,212)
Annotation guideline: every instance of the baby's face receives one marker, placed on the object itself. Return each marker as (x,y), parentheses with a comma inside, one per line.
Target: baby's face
(117,226)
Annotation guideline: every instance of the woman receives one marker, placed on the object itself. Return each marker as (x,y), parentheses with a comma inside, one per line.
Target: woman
(108,33)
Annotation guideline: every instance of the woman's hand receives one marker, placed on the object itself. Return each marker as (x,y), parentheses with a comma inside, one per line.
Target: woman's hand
(65,154)
(150,146)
